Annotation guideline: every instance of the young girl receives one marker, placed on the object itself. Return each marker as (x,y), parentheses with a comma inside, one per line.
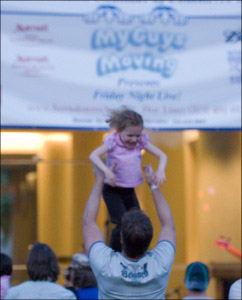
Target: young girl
(123,147)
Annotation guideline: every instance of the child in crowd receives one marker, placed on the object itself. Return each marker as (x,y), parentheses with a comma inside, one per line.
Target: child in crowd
(196,280)
(80,278)
(6,272)
(123,148)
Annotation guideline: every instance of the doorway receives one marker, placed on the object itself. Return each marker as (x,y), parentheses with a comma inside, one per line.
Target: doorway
(18,210)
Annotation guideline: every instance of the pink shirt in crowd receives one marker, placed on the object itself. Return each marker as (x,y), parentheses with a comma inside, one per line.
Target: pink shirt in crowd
(5,284)
(128,170)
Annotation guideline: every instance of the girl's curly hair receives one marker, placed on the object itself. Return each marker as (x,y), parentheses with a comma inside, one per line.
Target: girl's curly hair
(121,118)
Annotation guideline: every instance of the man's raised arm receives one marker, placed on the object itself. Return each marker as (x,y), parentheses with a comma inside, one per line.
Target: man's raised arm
(91,232)
(168,231)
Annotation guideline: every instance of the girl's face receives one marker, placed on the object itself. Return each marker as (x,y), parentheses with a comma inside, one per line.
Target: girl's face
(130,136)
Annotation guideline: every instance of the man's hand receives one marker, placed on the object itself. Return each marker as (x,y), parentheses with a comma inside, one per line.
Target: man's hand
(149,174)
(159,178)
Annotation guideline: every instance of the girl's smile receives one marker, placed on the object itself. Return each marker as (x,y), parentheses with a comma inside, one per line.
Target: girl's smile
(130,136)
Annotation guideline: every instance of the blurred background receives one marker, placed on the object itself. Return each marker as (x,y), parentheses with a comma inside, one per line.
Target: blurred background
(46,179)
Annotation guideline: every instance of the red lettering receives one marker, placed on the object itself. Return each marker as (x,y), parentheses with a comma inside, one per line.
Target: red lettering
(31,28)
(43,59)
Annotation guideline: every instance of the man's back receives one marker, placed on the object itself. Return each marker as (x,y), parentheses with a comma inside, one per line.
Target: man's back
(121,278)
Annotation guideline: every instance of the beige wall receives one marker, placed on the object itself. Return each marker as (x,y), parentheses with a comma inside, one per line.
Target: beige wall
(55,196)
(65,180)
(213,198)
(219,197)
(83,178)
(219,187)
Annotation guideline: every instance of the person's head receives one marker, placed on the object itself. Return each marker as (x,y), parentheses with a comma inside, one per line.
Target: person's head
(80,272)
(42,263)
(235,290)
(129,125)
(6,265)
(136,233)
(197,277)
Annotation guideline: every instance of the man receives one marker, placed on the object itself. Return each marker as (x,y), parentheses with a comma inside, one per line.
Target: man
(134,273)
(197,280)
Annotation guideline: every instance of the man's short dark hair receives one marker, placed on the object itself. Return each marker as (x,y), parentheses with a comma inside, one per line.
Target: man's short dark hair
(42,263)
(6,265)
(136,233)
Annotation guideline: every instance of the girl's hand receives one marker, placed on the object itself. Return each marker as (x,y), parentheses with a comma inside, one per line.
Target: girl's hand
(159,177)
(110,177)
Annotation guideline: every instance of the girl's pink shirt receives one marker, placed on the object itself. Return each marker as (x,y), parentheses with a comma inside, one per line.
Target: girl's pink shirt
(128,170)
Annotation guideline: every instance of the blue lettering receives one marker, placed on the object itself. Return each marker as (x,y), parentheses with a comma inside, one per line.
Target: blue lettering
(119,39)
(137,61)
(122,38)
(103,39)
(179,41)
(126,62)
(153,38)
(137,37)
(165,66)
(133,275)
(165,41)
(108,64)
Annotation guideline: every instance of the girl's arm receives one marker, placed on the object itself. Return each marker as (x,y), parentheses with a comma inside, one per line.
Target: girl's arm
(160,176)
(95,158)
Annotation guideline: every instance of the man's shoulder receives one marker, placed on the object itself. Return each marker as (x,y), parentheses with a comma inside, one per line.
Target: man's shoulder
(165,245)
(163,254)
(97,246)
(99,253)
(102,258)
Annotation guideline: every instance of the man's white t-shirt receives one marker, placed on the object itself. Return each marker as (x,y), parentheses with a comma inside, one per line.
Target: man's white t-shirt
(121,278)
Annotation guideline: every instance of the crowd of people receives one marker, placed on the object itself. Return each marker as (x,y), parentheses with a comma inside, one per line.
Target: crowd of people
(80,282)
(125,269)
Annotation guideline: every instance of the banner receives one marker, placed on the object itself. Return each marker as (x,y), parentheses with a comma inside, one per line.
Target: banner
(66,64)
